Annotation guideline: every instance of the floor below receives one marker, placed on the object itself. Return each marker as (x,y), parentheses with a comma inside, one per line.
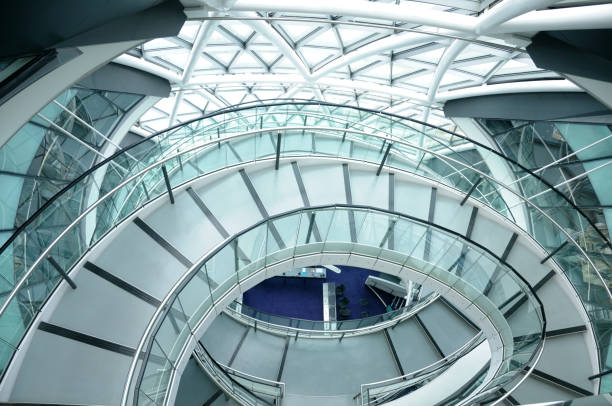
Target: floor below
(303,297)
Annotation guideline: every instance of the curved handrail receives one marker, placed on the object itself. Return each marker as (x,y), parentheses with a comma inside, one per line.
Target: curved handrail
(472,399)
(241,107)
(91,208)
(201,350)
(267,130)
(269,382)
(426,372)
(202,146)
(435,365)
(162,161)
(482,174)
(157,320)
(319,131)
(570,238)
(215,141)
(398,316)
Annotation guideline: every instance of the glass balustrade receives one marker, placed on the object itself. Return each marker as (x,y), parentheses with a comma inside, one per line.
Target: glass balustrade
(250,134)
(384,391)
(575,158)
(296,327)
(215,276)
(249,389)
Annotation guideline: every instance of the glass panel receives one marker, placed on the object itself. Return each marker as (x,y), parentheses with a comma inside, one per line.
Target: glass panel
(205,149)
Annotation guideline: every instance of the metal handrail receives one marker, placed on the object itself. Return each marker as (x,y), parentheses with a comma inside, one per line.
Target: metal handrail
(277,102)
(161,162)
(246,133)
(269,382)
(170,157)
(156,322)
(407,312)
(223,369)
(435,365)
(421,376)
(176,155)
(128,180)
(319,132)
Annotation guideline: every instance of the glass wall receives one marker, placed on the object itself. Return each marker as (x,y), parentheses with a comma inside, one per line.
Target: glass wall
(242,135)
(57,145)
(223,269)
(576,159)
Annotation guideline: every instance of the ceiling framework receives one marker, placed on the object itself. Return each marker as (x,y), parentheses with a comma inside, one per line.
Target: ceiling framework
(401,56)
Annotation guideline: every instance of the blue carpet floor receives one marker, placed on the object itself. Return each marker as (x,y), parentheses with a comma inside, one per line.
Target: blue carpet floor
(303,297)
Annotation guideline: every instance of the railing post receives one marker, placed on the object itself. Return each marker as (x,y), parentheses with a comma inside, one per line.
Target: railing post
(310,227)
(382,163)
(553,252)
(167,180)
(236,259)
(474,186)
(59,270)
(278,148)
(146,192)
(382,146)
(419,164)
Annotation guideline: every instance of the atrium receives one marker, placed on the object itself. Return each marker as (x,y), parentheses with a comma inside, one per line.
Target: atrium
(335,203)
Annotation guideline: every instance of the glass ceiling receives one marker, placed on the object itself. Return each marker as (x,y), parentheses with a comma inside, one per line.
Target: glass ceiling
(225,55)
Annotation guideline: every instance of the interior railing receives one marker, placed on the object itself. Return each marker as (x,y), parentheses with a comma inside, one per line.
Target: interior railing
(247,389)
(559,226)
(377,393)
(32,278)
(208,283)
(294,327)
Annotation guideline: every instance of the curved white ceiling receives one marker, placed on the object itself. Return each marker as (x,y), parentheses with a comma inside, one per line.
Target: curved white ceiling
(402,56)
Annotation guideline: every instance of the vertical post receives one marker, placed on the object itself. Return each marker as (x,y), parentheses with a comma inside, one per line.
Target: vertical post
(391,238)
(59,270)
(236,263)
(553,252)
(382,146)
(474,186)
(180,160)
(310,227)
(167,180)
(278,148)
(382,163)
(419,164)
(144,187)
(430,219)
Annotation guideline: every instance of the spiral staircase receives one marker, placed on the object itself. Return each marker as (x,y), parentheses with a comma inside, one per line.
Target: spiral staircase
(128,304)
